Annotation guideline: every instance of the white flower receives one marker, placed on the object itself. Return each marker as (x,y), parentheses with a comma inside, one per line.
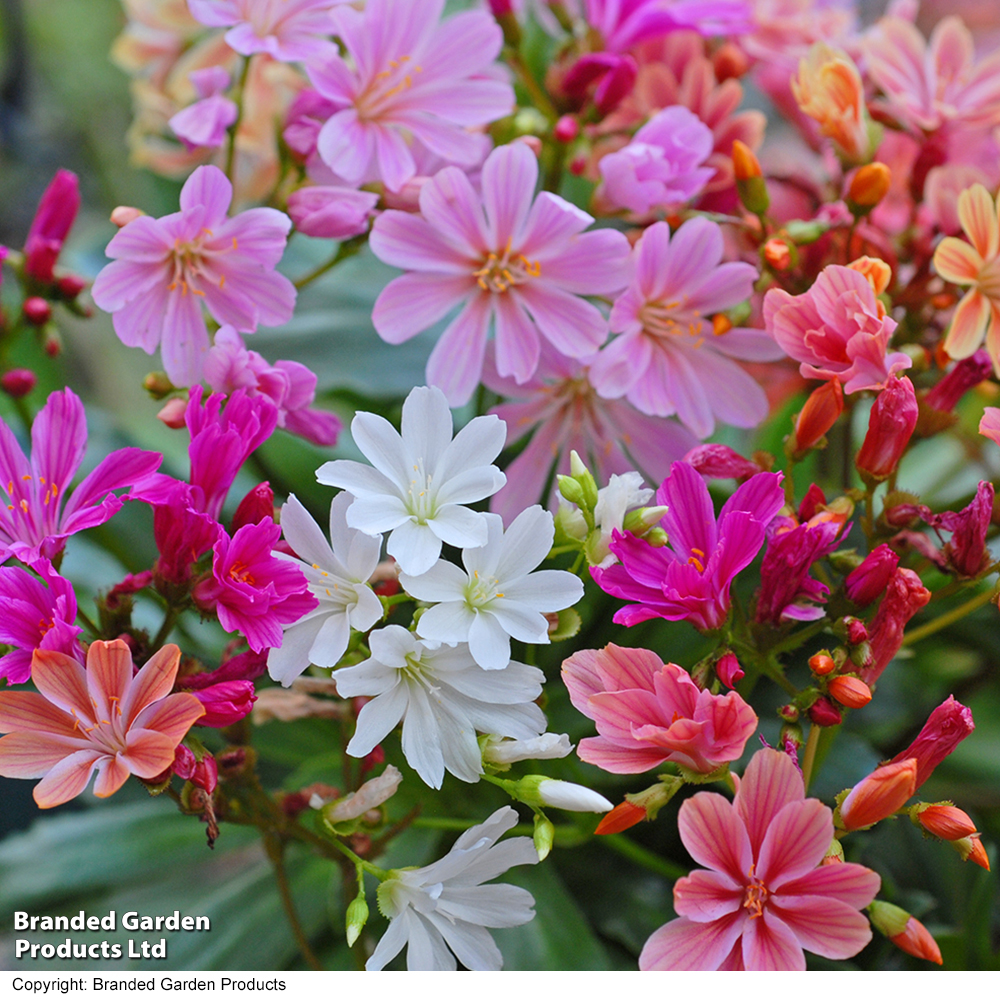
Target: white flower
(572,797)
(370,795)
(337,577)
(613,501)
(443,698)
(421,478)
(445,905)
(548,746)
(497,596)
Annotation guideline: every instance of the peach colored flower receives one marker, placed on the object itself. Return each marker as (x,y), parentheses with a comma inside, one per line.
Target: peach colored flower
(100,717)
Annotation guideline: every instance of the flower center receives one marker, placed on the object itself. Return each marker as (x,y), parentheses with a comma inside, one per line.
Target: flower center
(420,497)
(190,258)
(240,572)
(671,319)
(377,96)
(482,590)
(755,895)
(415,672)
(697,559)
(106,733)
(502,270)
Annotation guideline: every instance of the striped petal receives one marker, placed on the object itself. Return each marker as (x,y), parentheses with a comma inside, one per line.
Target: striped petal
(683,945)
(957,262)
(28,712)
(852,884)
(109,676)
(703,896)
(795,843)
(968,325)
(62,681)
(32,755)
(823,926)
(112,773)
(67,779)
(173,716)
(770,945)
(715,836)
(152,683)
(770,782)
(978,215)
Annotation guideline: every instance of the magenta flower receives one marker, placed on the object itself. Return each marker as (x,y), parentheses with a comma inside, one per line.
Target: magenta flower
(690,579)
(53,220)
(252,592)
(287,30)
(35,614)
(229,366)
(610,75)
(624,23)
(225,703)
(165,269)
(35,523)
(648,712)
(668,360)
(904,597)
(944,729)
(560,405)
(868,582)
(662,166)
(765,898)
(507,258)
(966,551)
(838,329)
(204,123)
(412,78)
(100,717)
(182,532)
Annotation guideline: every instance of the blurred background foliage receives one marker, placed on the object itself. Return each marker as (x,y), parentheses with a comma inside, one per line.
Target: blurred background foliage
(62,104)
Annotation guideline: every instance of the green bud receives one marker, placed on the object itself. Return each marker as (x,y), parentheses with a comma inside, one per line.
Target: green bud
(888,919)
(806,232)
(753,194)
(656,537)
(845,560)
(640,520)
(835,850)
(545,833)
(571,526)
(357,917)
(571,490)
(582,475)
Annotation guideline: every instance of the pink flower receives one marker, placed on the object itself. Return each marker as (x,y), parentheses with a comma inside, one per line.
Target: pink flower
(99,718)
(868,581)
(662,167)
(35,614)
(53,220)
(946,727)
(928,86)
(204,123)
(611,76)
(165,269)
(331,212)
(719,461)
(624,23)
(251,591)
(765,897)
(229,366)
(34,522)
(966,551)
(225,703)
(507,258)
(989,425)
(287,30)
(690,579)
(648,712)
(560,406)
(413,79)
(181,531)
(904,597)
(838,329)
(668,360)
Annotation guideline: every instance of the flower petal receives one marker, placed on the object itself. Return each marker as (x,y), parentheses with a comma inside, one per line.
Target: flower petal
(968,325)
(977,213)
(822,925)
(714,835)
(684,946)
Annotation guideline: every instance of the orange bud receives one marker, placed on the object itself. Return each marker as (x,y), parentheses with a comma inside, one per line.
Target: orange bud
(850,691)
(778,254)
(879,795)
(822,663)
(946,822)
(944,300)
(819,414)
(745,164)
(624,815)
(972,850)
(916,940)
(869,185)
(877,271)
(729,62)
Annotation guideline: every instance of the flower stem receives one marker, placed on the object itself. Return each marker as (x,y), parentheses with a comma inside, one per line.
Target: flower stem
(950,617)
(621,844)
(276,852)
(169,621)
(809,759)
(231,148)
(346,249)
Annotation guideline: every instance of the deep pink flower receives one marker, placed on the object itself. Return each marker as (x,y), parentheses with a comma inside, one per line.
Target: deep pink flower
(966,551)
(287,30)
(891,423)
(414,79)
(100,717)
(251,591)
(966,375)
(649,712)
(291,386)
(225,703)
(560,406)
(257,505)
(624,23)
(668,360)
(719,461)
(611,76)
(728,669)
(690,579)
(946,727)
(34,522)
(181,531)
(868,581)
(765,897)
(51,225)
(838,329)
(520,263)
(202,773)
(904,597)
(663,165)
(35,614)
(165,270)
(204,123)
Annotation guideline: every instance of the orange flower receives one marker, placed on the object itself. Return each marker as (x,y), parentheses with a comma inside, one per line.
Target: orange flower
(879,795)
(945,821)
(828,89)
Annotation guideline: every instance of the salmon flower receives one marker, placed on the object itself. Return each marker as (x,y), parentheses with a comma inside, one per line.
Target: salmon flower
(977,266)
(101,717)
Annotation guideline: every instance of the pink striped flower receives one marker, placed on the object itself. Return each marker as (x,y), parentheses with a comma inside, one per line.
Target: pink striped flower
(509,259)
(411,79)
(765,897)
(164,270)
(649,712)
(101,717)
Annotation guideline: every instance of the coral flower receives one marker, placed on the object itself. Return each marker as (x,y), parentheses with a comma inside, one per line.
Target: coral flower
(99,717)
(164,270)
(522,262)
(765,897)
(648,712)
(978,266)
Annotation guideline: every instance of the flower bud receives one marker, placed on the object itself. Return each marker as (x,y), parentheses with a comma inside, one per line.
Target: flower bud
(824,713)
(172,413)
(124,214)
(569,796)
(225,703)
(729,62)
(571,490)
(719,461)
(158,385)
(821,663)
(357,917)
(728,669)
(966,375)
(36,310)
(789,713)
(370,795)
(566,129)
(945,728)
(890,426)
(624,815)
(904,931)
(18,382)
(941,819)
(255,507)
(750,184)
(640,520)
(869,185)
(834,854)
(850,692)
(876,270)
(51,342)
(868,582)
(881,794)
(971,849)
(69,286)
(639,806)
(778,254)
(583,476)
(53,220)
(855,630)
(544,836)
(819,414)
